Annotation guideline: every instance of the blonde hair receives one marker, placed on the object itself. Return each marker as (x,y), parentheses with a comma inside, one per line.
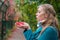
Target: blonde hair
(52,19)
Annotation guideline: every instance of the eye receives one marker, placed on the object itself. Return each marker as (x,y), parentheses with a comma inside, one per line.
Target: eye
(39,11)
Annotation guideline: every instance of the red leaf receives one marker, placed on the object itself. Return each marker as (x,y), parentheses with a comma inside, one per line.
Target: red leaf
(20,23)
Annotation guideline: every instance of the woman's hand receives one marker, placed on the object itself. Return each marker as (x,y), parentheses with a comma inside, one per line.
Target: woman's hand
(23,25)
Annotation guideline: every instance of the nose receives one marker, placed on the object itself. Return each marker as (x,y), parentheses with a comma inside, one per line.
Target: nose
(36,14)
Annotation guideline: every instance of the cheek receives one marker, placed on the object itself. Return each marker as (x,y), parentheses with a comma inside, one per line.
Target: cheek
(41,17)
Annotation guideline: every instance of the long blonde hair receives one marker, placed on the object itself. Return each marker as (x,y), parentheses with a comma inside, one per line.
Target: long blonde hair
(52,18)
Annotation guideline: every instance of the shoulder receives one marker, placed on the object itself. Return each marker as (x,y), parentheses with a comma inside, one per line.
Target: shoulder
(51,30)
(49,33)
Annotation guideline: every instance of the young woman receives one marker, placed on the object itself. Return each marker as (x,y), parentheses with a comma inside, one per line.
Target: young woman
(47,24)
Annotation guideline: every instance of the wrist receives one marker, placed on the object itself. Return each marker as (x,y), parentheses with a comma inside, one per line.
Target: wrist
(25,30)
(28,28)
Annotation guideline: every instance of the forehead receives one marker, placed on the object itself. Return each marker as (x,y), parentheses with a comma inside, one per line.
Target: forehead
(40,8)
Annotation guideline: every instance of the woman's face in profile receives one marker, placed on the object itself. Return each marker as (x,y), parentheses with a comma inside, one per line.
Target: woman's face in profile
(41,14)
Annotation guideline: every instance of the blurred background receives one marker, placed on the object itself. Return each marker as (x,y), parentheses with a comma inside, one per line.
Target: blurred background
(12,11)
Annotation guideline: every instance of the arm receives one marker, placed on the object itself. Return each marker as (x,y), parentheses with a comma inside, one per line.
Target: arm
(32,35)
(28,34)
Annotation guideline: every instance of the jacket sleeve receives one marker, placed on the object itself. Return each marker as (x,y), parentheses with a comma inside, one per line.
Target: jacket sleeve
(49,34)
(28,34)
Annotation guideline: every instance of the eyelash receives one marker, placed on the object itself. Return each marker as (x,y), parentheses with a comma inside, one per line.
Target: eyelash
(38,11)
